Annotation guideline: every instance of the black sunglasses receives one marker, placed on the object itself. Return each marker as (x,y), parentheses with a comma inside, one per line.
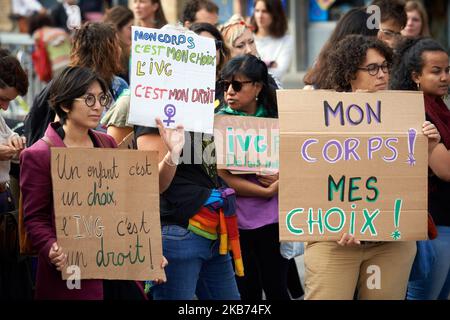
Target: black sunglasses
(236,85)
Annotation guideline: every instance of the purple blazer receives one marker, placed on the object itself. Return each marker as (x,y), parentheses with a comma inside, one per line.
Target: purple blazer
(39,218)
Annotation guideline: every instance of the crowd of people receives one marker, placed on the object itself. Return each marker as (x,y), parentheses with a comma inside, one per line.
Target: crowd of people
(86,104)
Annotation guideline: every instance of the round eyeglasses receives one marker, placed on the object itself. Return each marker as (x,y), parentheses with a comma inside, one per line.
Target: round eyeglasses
(374,68)
(90,99)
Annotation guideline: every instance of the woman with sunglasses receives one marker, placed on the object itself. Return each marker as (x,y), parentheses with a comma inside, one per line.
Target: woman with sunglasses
(247,93)
(423,65)
(78,96)
(240,39)
(338,270)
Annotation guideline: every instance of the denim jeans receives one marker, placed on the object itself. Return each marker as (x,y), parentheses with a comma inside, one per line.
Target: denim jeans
(436,284)
(195,268)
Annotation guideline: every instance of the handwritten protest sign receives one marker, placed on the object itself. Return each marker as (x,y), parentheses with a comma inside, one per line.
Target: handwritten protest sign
(354,163)
(172,77)
(246,144)
(107,212)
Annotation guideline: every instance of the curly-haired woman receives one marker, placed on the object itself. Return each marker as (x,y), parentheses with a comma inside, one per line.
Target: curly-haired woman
(423,65)
(337,270)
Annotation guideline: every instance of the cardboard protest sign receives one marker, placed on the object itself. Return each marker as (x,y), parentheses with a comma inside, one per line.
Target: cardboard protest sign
(246,144)
(107,212)
(352,163)
(172,77)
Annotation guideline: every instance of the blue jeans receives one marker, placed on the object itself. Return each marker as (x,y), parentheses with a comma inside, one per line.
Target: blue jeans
(195,268)
(435,285)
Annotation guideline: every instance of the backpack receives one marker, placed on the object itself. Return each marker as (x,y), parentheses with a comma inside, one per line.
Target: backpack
(40,115)
(41,60)
(25,246)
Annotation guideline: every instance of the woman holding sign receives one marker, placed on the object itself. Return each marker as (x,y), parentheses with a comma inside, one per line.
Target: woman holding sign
(247,93)
(375,270)
(423,65)
(78,96)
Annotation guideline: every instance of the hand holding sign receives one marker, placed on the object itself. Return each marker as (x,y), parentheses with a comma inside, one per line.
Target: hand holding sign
(267,180)
(432,134)
(348,240)
(57,256)
(173,139)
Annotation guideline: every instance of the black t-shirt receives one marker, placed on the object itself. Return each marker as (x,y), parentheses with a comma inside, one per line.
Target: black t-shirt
(438,200)
(193,180)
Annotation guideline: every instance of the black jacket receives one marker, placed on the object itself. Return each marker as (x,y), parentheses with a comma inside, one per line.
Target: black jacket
(59,16)
(39,117)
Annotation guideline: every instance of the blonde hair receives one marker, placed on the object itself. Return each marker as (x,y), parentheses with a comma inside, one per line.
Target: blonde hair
(413,5)
(233,29)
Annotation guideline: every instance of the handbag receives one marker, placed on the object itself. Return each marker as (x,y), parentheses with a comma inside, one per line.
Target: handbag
(25,245)
(291,249)
(432,230)
(41,60)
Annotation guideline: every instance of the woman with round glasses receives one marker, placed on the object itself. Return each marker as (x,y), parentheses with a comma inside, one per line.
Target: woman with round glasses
(78,96)
(338,270)
(95,46)
(247,93)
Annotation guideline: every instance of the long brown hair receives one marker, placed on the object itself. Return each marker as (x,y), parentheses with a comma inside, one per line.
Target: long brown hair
(417,6)
(279,25)
(96,46)
(120,16)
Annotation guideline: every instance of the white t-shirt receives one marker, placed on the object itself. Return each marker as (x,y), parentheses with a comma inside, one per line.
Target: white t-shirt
(25,8)
(279,50)
(73,16)
(5,133)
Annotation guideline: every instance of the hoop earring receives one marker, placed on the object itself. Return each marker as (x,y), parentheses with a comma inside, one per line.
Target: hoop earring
(418,86)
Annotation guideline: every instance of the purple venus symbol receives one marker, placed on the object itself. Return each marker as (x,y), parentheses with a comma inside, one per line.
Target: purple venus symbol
(412,134)
(169,111)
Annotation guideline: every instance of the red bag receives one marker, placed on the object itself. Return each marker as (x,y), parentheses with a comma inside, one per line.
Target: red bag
(432,230)
(41,61)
